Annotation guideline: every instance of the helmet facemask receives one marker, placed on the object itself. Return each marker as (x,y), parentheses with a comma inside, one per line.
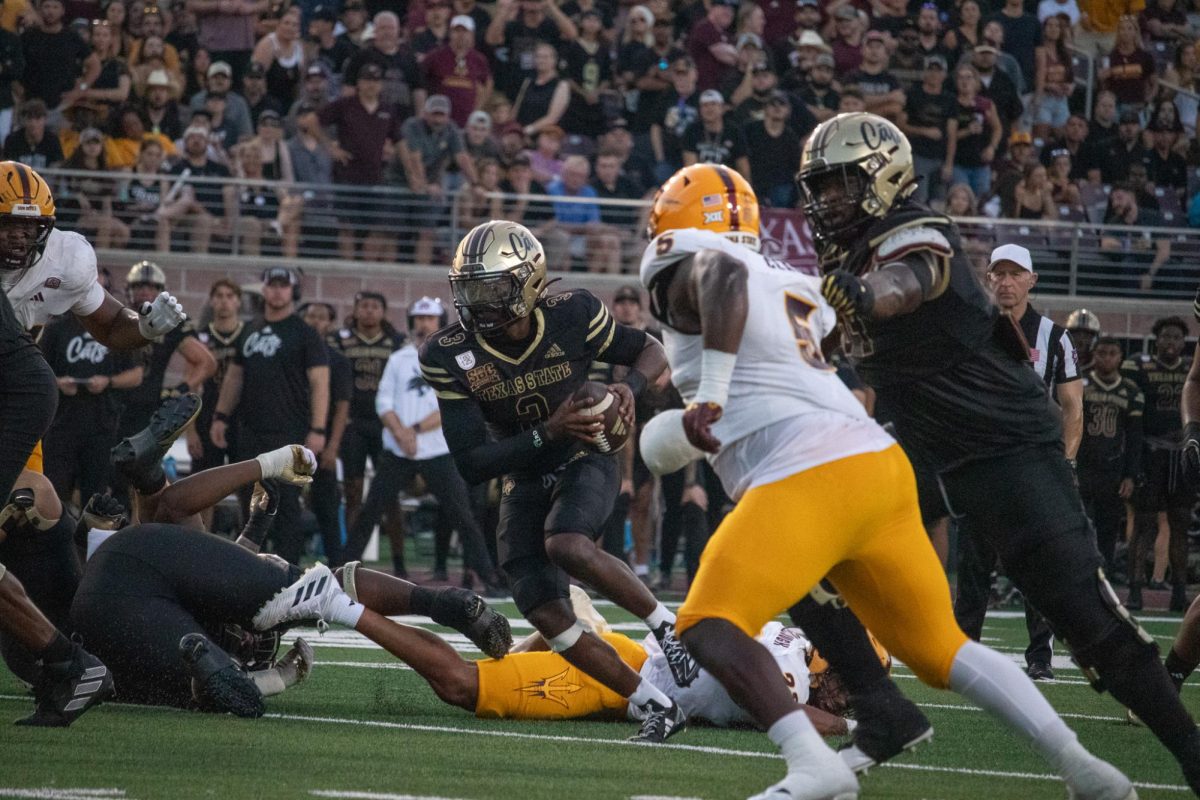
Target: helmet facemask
(488,302)
(834,200)
(22,240)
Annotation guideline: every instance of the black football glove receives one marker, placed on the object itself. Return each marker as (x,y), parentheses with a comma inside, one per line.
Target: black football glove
(1191,453)
(849,294)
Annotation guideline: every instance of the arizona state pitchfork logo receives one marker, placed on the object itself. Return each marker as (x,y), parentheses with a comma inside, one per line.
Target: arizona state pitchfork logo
(554,688)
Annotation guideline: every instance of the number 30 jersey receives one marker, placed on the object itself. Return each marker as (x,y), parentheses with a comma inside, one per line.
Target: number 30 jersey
(779,373)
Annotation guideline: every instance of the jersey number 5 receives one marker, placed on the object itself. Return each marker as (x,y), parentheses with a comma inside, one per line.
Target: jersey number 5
(799,310)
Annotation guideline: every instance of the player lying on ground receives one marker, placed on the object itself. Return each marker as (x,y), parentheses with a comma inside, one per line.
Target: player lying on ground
(822,490)
(533,682)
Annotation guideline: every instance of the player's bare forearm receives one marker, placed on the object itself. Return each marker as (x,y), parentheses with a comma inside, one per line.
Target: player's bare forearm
(318,385)
(896,290)
(200,364)
(204,489)
(1070,399)
(114,326)
(651,361)
(718,286)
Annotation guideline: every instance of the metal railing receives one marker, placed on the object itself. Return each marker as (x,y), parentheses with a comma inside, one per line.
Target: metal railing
(1084,67)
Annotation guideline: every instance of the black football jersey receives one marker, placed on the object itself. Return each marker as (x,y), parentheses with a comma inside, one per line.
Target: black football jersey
(518,385)
(1162,386)
(1112,423)
(367,359)
(940,374)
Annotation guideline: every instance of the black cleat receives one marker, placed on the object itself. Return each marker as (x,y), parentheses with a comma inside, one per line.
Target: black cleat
(66,689)
(660,723)
(139,457)
(684,668)
(219,685)
(470,615)
(888,724)
(1038,671)
(1134,601)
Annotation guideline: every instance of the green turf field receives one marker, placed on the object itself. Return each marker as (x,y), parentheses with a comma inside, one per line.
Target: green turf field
(365,727)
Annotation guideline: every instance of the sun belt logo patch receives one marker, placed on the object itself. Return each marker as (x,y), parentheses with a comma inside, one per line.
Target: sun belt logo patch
(713,216)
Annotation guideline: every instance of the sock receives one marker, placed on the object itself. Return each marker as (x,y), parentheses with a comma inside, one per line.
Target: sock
(1178,668)
(58,650)
(345,611)
(647,691)
(795,737)
(421,601)
(997,685)
(658,616)
(269,681)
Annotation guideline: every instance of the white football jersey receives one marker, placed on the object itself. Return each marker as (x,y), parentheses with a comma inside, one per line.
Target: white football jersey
(707,699)
(63,279)
(787,409)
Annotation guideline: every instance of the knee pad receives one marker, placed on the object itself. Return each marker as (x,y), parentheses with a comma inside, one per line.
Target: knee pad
(1111,644)
(20,515)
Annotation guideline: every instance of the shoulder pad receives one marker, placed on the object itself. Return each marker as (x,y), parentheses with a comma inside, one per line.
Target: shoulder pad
(906,240)
(345,333)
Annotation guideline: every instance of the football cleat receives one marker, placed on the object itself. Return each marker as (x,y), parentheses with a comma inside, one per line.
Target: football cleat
(470,615)
(660,723)
(219,684)
(821,776)
(139,457)
(1099,780)
(684,668)
(306,600)
(66,689)
(1039,671)
(888,725)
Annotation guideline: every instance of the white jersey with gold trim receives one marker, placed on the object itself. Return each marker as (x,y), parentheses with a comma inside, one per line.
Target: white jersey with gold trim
(63,279)
(707,699)
(781,391)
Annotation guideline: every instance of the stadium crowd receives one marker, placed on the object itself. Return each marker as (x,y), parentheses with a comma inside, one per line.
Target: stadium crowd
(438,111)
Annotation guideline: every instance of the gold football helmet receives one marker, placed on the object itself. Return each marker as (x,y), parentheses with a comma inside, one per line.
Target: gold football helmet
(26,215)
(708,197)
(498,276)
(146,272)
(1083,320)
(855,167)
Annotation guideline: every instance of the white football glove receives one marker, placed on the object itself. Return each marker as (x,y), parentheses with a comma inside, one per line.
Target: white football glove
(293,463)
(161,317)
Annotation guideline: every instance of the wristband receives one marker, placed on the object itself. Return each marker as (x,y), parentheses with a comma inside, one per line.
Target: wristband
(317,431)
(636,382)
(221,416)
(417,426)
(716,373)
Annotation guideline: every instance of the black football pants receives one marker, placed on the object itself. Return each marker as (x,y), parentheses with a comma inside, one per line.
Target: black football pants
(1098,488)
(28,400)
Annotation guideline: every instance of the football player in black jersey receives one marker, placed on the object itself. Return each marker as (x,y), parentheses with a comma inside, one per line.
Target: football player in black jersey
(949,371)
(505,377)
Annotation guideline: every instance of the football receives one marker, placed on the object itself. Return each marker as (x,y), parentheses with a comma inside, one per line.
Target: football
(615,432)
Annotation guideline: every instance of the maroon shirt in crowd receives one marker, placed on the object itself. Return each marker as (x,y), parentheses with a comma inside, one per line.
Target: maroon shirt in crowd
(458,79)
(362,134)
(708,70)
(1130,76)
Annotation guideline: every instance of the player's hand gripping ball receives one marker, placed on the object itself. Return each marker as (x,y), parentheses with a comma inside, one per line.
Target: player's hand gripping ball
(605,407)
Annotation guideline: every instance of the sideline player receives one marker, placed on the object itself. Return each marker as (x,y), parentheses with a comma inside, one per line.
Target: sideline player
(505,376)
(821,490)
(949,371)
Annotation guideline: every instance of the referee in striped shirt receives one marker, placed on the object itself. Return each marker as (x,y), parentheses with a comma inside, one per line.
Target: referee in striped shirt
(1011,277)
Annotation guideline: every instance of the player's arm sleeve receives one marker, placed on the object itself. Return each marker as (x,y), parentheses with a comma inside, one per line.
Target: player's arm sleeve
(315,352)
(1133,437)
(480,458)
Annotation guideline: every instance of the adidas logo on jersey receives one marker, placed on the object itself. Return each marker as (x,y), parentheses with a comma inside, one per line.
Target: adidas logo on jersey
(555,351)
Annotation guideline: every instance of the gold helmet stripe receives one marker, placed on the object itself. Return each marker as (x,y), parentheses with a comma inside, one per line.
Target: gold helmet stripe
(735,222)
(478,244)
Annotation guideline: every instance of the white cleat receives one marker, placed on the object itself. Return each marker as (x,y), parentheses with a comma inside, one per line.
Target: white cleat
(822,778)
(1099,780)
(306,600)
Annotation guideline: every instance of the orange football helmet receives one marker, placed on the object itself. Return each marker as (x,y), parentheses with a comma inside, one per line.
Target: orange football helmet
(24,196)
(708,197)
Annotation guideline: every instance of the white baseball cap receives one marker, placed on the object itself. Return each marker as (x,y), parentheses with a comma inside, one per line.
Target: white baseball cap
(427,307)
(1014,253)
(463,21)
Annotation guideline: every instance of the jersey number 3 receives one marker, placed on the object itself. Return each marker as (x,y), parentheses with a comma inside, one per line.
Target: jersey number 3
(799,310)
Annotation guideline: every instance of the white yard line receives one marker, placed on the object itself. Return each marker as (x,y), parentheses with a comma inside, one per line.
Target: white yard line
(351,795)
(60,793)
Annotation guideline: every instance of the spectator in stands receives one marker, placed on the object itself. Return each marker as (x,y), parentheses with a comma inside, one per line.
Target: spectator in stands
(770,148)
(973,133)
(679,109)
(709,140)
(222,134)
(1116,156)
(588,71)
(847,43)
(1183,73)
(226,30)
(546,158)
(312,166)
(1022,35)
(141,197)
(960,201)
(1053,82)
(1165,21)
(1011,169)
(652,81)
(1063,188)
(476,12)
(710,44)
(1033,195)
(1163,116)
(57,61)
(880,88)
(1073,140)
(516,30)
(1165,168)
(401,76)
(257,93)
(429,144)
(799,62)
(1129,71)
(366,130)
(281,57)
(965,36)
(12,67)
(818,94)
(220,81)
(589,239)
(544,97)
(635,164)
(436,31)
(736,83)
(611,183)
(276,165)
(1103,125)
(31,143)
(480,200)
(184,33)
(478,139)
(195,79)
(129,131)
(153,26)
(927,110)
(204,207)
(636,40)
(325,45)
(354,20)
(159,108)
(1139,253)
(750,100)
(111,87)
(459,71)
(889,17)
(851,101)
(996,86)
(806,19)
(1059,8)
(85,204)
(314,92)
(993,34)
(533,214)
